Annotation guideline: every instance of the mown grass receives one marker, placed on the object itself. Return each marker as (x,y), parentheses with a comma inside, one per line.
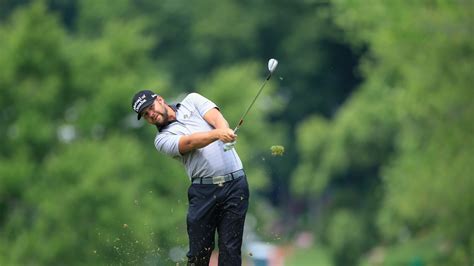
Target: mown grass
(315,256)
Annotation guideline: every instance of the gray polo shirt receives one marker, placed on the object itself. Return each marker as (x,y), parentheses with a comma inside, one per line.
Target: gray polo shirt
(208,161)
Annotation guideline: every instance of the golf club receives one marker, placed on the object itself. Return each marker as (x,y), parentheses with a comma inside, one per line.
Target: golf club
(272,64)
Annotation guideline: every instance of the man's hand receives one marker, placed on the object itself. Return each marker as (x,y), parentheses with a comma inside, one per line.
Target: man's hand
(225,135)
(228,137)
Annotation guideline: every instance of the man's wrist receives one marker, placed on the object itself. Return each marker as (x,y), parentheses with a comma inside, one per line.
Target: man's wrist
(214,134)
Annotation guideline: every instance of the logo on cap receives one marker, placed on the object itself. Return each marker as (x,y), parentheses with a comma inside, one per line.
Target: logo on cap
(142,100)
(139,102)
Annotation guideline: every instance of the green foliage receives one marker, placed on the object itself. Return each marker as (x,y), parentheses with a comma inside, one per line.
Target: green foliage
(216,32)
(67,178)
(424,52)
(34,72)
(99,214)
(408,125)
(420,251)
(386,167)
(346,236)
(357,139)
(77,170)
(312,137)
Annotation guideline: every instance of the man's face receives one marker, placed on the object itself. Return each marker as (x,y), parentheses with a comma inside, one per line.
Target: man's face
(156,113)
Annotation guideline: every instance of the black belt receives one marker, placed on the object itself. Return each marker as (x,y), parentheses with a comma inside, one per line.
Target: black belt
(217,180)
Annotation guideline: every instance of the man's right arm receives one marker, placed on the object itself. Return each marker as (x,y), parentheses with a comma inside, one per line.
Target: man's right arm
(199,140)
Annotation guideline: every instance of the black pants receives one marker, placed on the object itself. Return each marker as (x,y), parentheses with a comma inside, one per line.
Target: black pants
(222,208)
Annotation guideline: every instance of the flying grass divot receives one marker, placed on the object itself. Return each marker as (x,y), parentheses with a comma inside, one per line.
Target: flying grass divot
(277,150)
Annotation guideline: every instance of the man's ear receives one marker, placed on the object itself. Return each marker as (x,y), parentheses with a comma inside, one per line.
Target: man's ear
(160,99)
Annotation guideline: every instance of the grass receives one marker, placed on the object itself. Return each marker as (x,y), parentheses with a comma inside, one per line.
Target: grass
(315,256)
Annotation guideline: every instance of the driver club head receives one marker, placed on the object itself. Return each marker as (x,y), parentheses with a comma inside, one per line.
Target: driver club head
(272,64)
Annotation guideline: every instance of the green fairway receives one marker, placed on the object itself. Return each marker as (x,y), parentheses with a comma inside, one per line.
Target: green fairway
(315,256)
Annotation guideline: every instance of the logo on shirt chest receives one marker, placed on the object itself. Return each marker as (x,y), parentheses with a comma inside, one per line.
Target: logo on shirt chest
(187,115)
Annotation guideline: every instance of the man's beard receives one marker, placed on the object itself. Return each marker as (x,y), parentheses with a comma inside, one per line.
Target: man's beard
(165,119)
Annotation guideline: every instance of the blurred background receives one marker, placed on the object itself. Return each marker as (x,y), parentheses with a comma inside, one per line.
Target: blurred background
(372,100)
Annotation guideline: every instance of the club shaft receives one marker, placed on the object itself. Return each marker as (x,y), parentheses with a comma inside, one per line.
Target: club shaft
(241,121)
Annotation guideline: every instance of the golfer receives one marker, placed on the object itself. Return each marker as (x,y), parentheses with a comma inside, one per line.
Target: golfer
(194,132)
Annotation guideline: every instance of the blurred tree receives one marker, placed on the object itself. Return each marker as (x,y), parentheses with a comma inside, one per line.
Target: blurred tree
(7,7)
(34,71)
(316,76)
(340,165)
(424,53)
(67,179)
(409,122)
(97,211)
(191,42)
(346,236)
(66,81)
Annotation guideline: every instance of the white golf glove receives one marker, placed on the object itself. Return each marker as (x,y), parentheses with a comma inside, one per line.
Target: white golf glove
(229,145)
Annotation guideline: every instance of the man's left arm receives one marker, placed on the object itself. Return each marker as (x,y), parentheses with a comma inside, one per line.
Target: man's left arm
(215,118)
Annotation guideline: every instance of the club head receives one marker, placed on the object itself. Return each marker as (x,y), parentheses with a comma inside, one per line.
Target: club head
(272,64)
